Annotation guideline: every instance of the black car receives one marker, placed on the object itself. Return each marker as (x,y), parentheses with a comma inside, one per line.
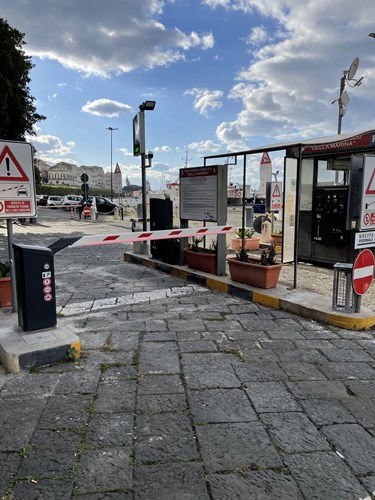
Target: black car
(103,205)
(42,201)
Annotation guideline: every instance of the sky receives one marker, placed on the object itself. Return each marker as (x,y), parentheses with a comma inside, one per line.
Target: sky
(226,75)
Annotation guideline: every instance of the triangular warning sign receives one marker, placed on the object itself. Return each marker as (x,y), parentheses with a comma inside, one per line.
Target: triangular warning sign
(265,159)
(10,169)
(371,185)
(276,192)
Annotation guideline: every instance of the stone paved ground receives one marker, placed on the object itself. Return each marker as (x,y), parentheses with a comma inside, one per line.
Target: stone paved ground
(186,393)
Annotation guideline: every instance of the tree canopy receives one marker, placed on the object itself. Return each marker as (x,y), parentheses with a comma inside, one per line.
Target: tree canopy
(17,111)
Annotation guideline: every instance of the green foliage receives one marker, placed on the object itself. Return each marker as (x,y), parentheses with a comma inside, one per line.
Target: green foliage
(194,246)
(4,269)
(72,354)
(267,257)
(247,232)
(17,110)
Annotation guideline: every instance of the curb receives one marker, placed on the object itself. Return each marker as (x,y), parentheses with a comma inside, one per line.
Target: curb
(300,302)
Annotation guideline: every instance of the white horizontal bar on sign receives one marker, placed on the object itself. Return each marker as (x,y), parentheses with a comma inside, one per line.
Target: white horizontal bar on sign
(106,239)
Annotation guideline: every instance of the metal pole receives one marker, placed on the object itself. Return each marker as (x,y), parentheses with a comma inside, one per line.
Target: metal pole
(111,168)
(341,107)
(11,263)
(243,201)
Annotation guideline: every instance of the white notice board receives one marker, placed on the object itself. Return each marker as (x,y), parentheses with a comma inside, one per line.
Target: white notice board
(199,193)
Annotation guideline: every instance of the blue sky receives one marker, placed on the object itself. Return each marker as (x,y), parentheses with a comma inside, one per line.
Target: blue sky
(226,75)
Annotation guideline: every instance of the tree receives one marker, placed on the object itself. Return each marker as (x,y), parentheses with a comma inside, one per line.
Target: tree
(17,111)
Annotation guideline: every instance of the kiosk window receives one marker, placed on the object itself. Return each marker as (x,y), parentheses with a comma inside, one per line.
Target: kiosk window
(328,177)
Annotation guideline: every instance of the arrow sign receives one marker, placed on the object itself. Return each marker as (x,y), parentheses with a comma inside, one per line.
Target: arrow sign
(363,272)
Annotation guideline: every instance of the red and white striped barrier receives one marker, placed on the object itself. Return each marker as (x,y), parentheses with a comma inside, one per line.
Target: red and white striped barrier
(106,239)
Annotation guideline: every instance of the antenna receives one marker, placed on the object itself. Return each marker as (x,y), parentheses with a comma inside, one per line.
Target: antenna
(343,100)
(186,159)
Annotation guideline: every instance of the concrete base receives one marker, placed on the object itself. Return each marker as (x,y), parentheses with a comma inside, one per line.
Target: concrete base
(20,350)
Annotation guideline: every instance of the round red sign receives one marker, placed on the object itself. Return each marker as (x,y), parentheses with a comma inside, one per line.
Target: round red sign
(363,272)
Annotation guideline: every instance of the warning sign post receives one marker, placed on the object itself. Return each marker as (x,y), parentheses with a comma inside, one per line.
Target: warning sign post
(17,189)
(367,221)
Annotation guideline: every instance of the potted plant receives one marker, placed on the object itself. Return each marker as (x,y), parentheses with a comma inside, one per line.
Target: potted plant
(277,237)
(5,285)
(245,239)
(262,273)
(201,258)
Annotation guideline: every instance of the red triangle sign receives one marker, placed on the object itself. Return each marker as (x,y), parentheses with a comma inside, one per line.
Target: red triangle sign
(266,160)
(371,187)
(276,192)
(10,169)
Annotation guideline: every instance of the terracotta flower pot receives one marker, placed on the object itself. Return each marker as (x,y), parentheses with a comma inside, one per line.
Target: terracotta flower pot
(5,292)
(250,243)
(277,238)
(202,261)
(254,274)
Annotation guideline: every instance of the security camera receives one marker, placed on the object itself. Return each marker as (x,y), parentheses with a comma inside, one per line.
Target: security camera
(150,155)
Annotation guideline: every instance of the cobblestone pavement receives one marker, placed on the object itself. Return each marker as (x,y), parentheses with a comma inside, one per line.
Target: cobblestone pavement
(186,393)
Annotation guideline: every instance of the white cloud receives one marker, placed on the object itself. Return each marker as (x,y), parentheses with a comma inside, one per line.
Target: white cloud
(205,147)
(106,107)
(50,144)
(97,38)
(205,100)
(162,149)
(295,72)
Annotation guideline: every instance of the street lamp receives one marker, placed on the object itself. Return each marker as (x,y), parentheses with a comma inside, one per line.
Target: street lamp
(111,129)
(343,100)
(139,148)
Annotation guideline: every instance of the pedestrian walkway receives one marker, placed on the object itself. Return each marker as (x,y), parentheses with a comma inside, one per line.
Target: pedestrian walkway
(185,392)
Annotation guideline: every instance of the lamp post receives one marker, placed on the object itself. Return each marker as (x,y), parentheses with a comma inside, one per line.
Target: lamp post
(145,106)
(111,129)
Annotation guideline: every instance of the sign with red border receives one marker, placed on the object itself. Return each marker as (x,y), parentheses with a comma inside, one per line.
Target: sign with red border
(17,189)
(363,272)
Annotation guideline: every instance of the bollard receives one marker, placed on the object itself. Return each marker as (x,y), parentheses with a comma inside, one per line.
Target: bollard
(73,212)
(92,214)
(116,213)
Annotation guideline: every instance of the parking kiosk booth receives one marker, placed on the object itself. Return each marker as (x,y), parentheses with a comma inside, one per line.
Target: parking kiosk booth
(325,201)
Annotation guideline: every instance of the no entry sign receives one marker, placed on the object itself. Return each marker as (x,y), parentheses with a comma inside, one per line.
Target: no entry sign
(363,272)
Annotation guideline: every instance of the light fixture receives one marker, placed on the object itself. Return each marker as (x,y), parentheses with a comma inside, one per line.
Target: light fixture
(147,106)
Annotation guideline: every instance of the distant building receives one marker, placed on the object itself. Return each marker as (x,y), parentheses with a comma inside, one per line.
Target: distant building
(63,174)
(117,180)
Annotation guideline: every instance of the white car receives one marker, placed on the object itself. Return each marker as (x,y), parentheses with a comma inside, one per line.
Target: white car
(54,201)
(71,199)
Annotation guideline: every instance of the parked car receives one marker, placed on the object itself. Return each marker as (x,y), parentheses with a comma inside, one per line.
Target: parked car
(42,200)
(103,205)
(71,199)
(54,201)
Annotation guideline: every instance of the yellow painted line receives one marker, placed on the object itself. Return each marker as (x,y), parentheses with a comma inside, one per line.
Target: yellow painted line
(179,273)
(217,285)
(148,263)
(351,323)
(77,347)
(266,300)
